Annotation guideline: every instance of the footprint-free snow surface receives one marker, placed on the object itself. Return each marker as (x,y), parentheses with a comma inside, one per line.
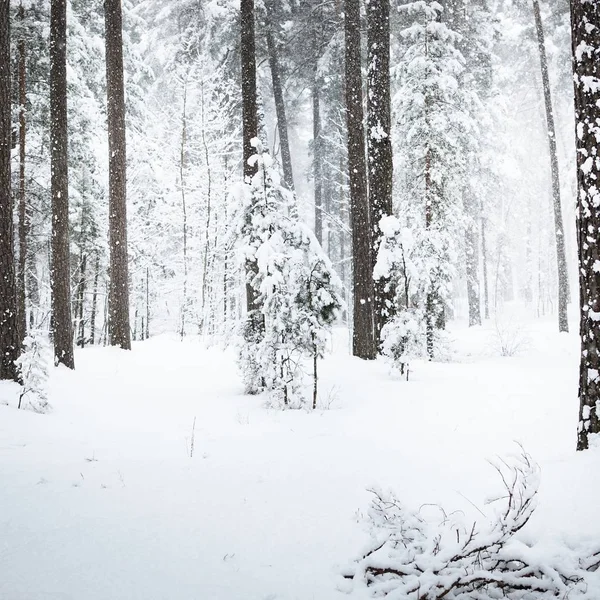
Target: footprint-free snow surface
(115,495)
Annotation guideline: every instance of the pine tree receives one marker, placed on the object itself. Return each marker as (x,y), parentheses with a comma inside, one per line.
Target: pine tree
(280,106)
(363,335)
(379,142)
(60,277)
(585,24)
(559,229)
(118,302)
(254,326)
(9,324)
(296,286)
(435,126)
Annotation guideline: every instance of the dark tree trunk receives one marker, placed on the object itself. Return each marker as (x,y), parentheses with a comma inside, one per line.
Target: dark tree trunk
(282,125)
(23,213)
(250,121)
(561,260)
(317,156)
(60,278)
(379,141)
(585,18)
(363,338)
(9,323)
(118,300)
(254,329)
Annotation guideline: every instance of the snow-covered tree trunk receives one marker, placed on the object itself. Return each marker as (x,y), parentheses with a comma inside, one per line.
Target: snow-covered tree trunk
(561,259)
(585,24)
(379,143)
(9,328)
(363,338)
(118,320)
(60,275)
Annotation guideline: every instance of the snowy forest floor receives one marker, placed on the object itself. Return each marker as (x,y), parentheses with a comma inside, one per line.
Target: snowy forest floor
(100,499)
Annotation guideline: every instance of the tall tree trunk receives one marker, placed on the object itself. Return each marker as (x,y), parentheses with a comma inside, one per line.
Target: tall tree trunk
(317,156)
(94,300)
(484,260)
(9,324)
(585,19)
(431,300)
(60,276)
(118,300)
(182,167)
(255,325)
(81,301)
(363,337)
(472,258)
(561,260)
(250,120)
(282,124)
(379,141)
(23,213)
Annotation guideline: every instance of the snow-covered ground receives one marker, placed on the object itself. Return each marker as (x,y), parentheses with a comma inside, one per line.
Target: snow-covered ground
(101,500)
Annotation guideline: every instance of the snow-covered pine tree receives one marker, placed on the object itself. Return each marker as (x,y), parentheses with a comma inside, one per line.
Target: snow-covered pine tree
(295,287)
(434,121)
(403,336)
(33,366)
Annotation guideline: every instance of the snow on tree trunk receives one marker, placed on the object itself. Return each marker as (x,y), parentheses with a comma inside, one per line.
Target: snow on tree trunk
(585,24)
(379,142)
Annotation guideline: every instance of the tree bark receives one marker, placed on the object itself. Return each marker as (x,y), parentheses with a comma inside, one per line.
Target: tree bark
(379,142)
(60,276)
(249,121)
(585,25)
(9,324)
(363,338)
(118,300)
(23,213)
(282,124)
(561,260)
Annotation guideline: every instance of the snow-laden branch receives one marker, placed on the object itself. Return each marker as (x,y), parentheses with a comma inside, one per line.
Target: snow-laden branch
(411,558)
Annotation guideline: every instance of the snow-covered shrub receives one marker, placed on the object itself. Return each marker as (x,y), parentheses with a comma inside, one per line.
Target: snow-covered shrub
(411,558)
(296,288)
(414,260)
(33,369)
(403,339)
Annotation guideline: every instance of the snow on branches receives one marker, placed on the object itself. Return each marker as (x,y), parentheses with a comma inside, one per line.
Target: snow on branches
(33,370)
(411,558)
(296,287)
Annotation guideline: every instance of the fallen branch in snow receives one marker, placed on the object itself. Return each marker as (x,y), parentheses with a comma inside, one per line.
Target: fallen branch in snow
(413,559)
